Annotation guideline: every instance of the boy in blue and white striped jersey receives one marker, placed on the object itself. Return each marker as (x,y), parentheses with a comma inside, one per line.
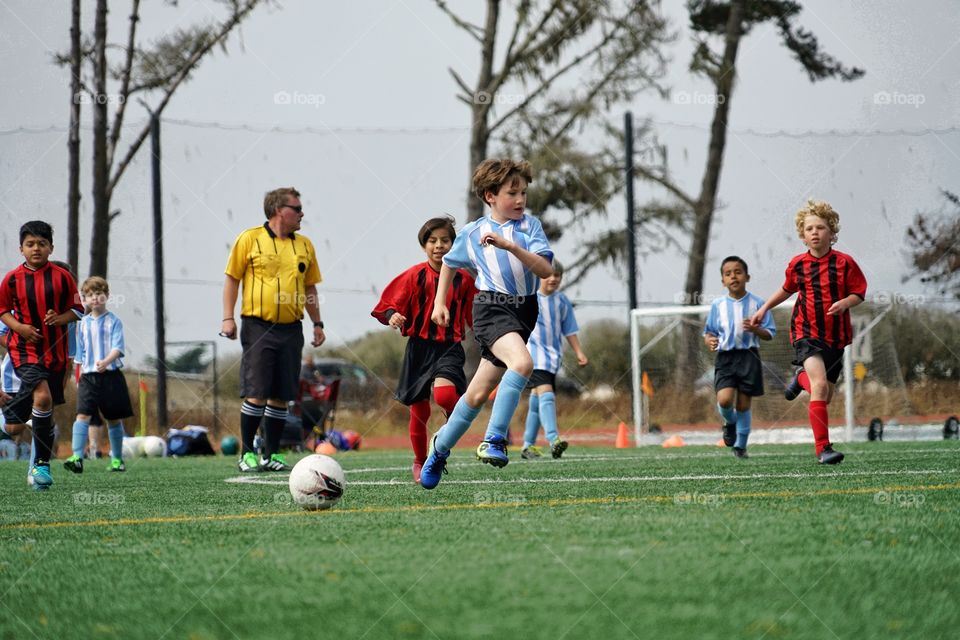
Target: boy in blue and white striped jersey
(102,387)
(509,252)
(738,375)
(555,322)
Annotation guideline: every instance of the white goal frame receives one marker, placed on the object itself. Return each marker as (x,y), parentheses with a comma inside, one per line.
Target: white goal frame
(640,408)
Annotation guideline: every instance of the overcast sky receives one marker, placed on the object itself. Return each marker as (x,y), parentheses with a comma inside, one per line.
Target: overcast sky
(367,65)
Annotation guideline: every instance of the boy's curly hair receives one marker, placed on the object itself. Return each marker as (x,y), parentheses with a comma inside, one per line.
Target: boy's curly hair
(822,210)
(490,175)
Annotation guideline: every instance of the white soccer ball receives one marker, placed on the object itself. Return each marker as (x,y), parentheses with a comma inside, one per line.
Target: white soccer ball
(133,447)
(154,447)
(317,482)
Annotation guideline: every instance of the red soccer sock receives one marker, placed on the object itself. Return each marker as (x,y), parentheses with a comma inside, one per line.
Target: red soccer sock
(818,422)
(419,415)
(446,397)
(804,380)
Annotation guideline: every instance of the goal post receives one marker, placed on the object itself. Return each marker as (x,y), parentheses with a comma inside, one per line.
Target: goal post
(871,381)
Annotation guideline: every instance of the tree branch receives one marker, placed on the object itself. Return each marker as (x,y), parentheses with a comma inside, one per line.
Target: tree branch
(666,183)
(473,30)
(239,14)
(124,84)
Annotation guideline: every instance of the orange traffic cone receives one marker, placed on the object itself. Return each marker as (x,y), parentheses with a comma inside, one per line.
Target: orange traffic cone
(673,441)
(622,441)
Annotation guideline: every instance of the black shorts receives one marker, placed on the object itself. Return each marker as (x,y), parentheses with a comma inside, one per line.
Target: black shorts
(270,364)
(20,408)
(105,393)
(832,358)
(426,360)
(497,314)
(540,377)
(739,369)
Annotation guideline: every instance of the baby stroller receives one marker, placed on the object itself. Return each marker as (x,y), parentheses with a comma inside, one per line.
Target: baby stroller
(313,413)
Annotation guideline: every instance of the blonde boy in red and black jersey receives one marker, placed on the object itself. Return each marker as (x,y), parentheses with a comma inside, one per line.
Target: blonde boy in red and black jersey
(828,284)
(434,354)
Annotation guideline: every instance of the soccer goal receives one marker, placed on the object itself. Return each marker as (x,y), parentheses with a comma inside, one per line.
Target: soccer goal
(669,389)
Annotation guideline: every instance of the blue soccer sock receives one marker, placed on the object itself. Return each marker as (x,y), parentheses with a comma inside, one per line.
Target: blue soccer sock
(743,428)
(81,430)
(548,415)
(508,397)
(533,421)
(115,432)
(729,414)
(457,424)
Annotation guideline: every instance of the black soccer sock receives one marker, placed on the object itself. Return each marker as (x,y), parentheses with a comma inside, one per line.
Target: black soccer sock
(250,415)
(43,440)
(273,420)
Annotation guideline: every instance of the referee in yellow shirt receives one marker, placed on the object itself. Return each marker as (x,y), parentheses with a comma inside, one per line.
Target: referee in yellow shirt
(278,269)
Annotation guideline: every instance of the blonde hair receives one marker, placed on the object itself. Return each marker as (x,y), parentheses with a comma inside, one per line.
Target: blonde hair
(490,175)
(95,284)
(275,199)
(822,210)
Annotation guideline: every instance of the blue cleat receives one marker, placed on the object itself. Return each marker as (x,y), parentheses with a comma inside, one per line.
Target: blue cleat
(40,474)
(493,451)
(434,467)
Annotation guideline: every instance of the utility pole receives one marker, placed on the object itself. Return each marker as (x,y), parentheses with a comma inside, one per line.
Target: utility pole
(158,276)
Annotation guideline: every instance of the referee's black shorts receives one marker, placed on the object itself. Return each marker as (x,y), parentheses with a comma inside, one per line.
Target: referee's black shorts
(270,364)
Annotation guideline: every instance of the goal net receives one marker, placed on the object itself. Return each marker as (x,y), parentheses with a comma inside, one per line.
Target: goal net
(670,390)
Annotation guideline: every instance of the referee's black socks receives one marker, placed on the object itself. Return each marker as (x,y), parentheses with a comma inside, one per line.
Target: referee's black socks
(250,415)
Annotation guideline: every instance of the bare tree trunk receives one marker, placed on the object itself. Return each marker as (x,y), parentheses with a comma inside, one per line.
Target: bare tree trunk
(482,99)
(703,212)
(73,143)
(100,239)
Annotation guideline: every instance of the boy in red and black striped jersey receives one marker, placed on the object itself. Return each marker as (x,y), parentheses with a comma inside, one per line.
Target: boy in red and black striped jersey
(38,301)
(434,354)
(828,284)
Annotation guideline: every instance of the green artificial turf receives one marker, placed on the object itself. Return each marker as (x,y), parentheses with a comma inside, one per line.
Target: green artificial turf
(651,543)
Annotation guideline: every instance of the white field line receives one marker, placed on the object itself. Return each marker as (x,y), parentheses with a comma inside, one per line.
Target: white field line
(679,478)
(719,453)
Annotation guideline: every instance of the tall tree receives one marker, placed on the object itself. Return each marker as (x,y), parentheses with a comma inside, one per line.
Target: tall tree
(731,21)
(610,49)
(73,141)
(934,246)
(156,72)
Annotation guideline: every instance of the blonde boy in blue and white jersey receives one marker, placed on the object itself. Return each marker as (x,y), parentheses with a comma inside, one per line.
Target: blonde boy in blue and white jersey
(102,387)
(556,321)
(509,253)
(738,376)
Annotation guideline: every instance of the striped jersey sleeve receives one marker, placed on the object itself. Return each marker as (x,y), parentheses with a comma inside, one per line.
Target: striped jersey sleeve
(498,270)
(555,322)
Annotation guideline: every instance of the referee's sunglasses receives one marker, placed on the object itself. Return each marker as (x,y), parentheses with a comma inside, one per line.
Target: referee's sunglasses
(298,208)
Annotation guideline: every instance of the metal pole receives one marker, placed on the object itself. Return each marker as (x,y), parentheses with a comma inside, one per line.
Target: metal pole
(216,382)
(158,277)
(631,236)
(635,367)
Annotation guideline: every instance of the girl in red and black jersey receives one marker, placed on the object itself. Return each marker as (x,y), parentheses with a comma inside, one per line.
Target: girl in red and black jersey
(434,354)
(828,284)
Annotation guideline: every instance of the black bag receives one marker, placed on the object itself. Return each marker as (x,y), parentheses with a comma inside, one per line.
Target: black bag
(951,428)
(190,441)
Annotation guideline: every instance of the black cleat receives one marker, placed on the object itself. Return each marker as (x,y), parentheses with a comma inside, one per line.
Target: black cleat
(793,389)
(740,454)
(829,456)
(729,433)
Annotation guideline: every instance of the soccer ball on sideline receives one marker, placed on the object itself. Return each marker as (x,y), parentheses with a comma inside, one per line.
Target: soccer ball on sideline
(317,482)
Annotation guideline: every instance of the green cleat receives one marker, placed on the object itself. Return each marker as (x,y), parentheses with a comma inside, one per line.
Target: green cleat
(74,463)
(276,462)
(248,462)
(531,453)
(116,464)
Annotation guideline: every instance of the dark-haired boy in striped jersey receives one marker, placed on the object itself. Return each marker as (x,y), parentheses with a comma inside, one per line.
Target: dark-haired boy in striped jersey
(38,301)
(828,284)
(434,354)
